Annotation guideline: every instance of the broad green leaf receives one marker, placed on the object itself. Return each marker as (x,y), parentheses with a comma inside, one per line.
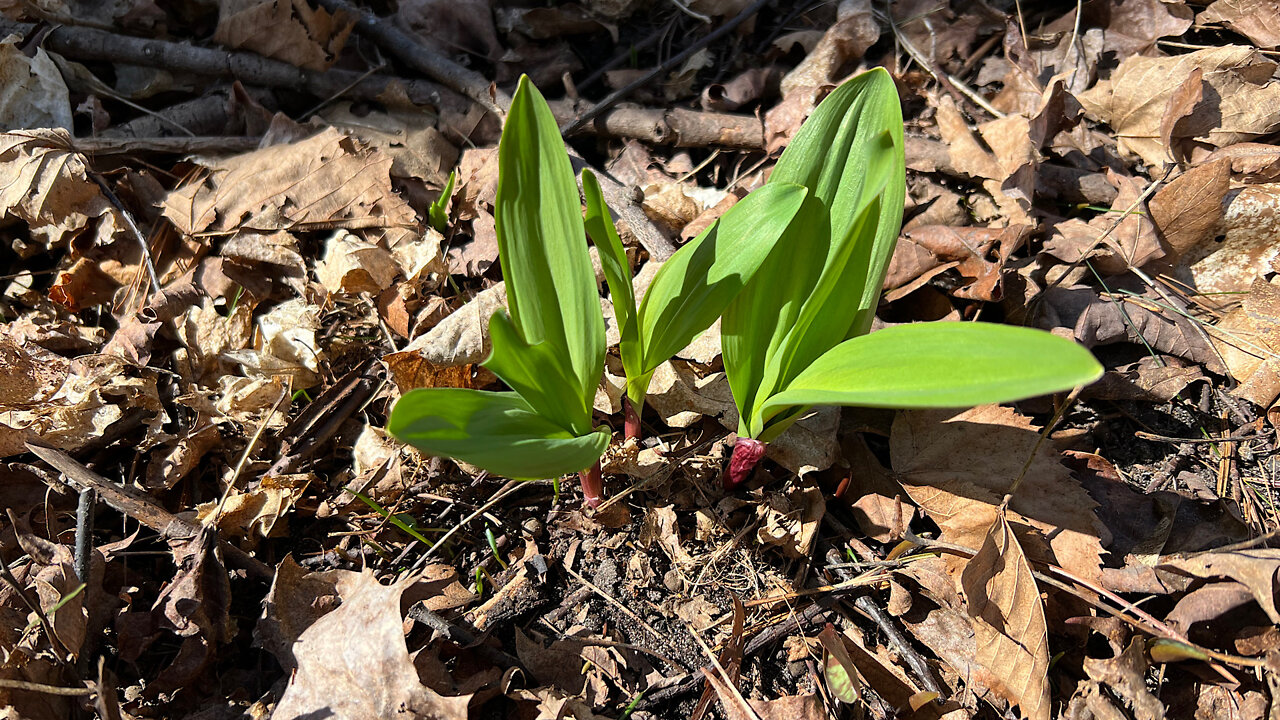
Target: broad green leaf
(617,272)
(940,364)
(499,432)
(848,152)
(696,284)
(538,374)
(551,290)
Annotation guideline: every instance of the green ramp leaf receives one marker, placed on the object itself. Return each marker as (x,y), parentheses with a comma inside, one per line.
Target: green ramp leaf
(499,432)
(940,364)
(551,290)
(696,284)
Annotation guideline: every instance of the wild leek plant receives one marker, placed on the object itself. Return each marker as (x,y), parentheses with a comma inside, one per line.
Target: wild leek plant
(692,288)
(550,349)
(797,336)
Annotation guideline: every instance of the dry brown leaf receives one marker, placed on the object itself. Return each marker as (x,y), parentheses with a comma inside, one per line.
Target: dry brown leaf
(1146,322)
(854,31)
(285,344)
(351,266)
(1132,27)
(258,512)
(1255,569)
(98,392)
(35,95)
(977,254)
(353,663)
(1009,625)
(462,338)
(682,396)
(46,186)
(1249,340)
(287,30)
(790,520)
(449,26)
(1187,211)
(1132,243)
(327,180)
(1126,675)
(408,136)
(1181,106)
(958,467)
(1258,20)
(1241,106)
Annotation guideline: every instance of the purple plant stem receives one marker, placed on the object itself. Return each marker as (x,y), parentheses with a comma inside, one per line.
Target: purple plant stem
(746,455)
(631,425)
(592,485)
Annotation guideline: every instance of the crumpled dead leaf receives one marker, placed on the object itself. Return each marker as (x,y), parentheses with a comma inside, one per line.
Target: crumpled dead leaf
(287,30)
(351,265)
(1258,570)
(286,344)
(47,186)
(98,392)
(790,520)
(1241,106)
(1249,340)
(353,663)
(35,94)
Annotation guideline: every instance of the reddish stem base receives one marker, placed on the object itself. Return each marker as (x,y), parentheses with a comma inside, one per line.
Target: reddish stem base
(746,455)
(592,485)
(631,425)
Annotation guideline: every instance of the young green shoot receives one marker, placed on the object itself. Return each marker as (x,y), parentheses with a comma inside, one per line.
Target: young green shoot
(549,348)
(799,335)
(692,288)
(438,213)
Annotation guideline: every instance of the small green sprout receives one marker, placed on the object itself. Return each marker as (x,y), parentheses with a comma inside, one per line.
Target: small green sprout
(438,213)
(799,334)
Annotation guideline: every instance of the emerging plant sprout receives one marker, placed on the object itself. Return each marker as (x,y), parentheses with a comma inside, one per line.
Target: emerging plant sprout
(692,288)
(797,336)
(550,349)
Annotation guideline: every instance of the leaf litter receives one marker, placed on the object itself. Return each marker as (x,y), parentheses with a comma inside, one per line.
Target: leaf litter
(183,311)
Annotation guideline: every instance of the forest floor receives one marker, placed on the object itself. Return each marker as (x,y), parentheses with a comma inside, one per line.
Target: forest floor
(219,272)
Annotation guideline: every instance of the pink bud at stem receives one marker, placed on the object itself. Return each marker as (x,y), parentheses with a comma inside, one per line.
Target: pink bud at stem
(746,455)
(592,485)
(632,423)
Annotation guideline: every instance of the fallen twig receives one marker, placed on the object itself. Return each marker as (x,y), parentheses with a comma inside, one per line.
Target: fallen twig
(674,61)
(143,508)
(419,57)
(82,43)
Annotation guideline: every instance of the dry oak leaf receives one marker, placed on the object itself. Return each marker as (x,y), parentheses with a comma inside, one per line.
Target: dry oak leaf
(1241,102)
(1008,621)
(287,30)
(351,266)
(328,180)
(45,185)
(958,467)
(1258,20)
(353,664)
